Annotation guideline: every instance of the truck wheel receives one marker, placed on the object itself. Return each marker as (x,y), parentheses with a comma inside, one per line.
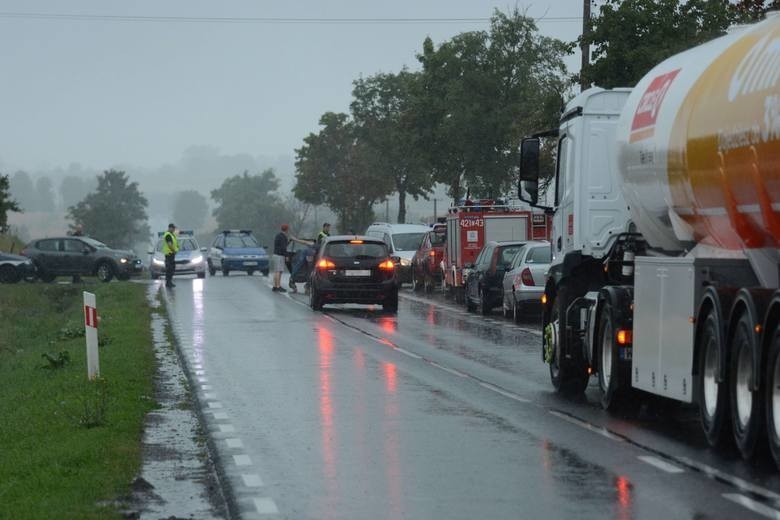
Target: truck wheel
(773,396)
(746,404)
(713,393)
(567,376)
(105,272)
(428,283)
(610,377)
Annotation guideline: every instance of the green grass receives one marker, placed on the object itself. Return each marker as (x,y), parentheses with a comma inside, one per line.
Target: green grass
(9,241)
(51,464)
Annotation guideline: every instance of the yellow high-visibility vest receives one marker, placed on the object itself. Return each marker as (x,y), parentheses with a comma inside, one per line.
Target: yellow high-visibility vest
(170,249)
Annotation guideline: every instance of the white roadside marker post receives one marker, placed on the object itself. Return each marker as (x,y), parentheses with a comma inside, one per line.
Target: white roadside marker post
(90,326)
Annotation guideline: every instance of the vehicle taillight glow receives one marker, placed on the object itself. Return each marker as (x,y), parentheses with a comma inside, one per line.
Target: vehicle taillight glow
(527,277)
(624,337)
(355,241)
(387,265)
(324,263)
(432,253)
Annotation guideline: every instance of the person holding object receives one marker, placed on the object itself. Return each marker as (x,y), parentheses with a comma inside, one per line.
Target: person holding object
(170,247)
(280,252)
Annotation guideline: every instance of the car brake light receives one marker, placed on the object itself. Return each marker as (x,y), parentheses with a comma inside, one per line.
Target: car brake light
(432,253)
(387,265)
(527,278)
(355,241)
(324,263)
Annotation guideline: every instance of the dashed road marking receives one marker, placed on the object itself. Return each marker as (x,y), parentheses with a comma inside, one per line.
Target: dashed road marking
(203,380)
(210,396)
(200,372)
(722,476)
(494,388)
(252,480)
(214,404)
(226,428)
(242,460)
(234,444)
(579,422)
(205,388)
(220,416)
(661,464)
(756,507)
(266,506)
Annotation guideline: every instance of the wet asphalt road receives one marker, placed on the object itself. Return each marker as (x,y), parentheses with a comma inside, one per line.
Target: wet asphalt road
(430,413)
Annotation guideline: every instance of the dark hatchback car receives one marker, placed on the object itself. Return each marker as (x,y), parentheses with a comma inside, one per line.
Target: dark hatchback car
(66,256)
(14,268)
(485,281)
(354,269)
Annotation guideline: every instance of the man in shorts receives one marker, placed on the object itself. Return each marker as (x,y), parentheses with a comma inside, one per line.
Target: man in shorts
(277,261)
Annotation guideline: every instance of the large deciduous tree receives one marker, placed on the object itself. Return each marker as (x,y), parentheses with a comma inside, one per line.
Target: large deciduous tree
(250,202)
(115,213)
(482,92)
(630,37)
(190,209)
(333,168)
(384,112)
(6,202)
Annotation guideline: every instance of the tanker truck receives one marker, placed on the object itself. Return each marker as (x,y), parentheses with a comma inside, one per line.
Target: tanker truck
(665,237)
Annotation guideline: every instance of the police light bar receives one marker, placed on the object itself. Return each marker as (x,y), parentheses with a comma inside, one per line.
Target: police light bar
(236,231)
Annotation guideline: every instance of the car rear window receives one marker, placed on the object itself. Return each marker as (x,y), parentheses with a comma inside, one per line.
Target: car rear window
(350,250)
(240,241)
(540,255)
(47,245)
(438,238)
(508,253)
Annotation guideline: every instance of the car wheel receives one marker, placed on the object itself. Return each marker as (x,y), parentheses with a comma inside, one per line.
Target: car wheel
(8,274)
(470,306)
(154,276)
(391,303)
(517,310)
(202,275)
(46,276)
(315,300)
(212,270)
(484,304)
(265,272)
(225,272)
(105,272)
(417,284)
(250,272)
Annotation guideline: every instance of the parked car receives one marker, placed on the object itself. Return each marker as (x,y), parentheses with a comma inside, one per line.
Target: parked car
(14,268)
(189,259)
(426,263)
(525,279)
(237,250)
(68,256)
(484,283)
(354,269)
(403,241)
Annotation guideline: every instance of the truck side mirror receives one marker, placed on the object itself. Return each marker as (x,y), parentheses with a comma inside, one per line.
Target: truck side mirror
(528,187)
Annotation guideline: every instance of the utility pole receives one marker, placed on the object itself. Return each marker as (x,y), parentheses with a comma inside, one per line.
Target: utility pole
(387,210)
(434,211)
(584,46)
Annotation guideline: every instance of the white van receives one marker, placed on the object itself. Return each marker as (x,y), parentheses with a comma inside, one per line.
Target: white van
(403,240)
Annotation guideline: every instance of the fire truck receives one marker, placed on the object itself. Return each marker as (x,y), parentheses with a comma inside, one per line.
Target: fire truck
(472,224)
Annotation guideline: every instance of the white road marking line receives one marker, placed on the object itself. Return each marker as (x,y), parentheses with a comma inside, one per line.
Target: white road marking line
(449,370)
(205,387)
(209,396)
(734,481)
(234,443)
(200,372)
(500,391)
(266,506)
(252,480)
(756,507)
(220,416)
(215,404)
(587,426)
(661,464)
(227,428)
(197,367)
(242,460)
(407,353)
(203,380)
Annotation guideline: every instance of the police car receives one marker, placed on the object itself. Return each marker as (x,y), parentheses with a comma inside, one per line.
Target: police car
(189,260)
(14,268)
(236,250)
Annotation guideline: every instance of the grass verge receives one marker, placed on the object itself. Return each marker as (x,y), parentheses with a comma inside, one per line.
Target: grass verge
(71,447)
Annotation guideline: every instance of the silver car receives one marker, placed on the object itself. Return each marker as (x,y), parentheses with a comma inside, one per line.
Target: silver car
(189,259)
(525,278)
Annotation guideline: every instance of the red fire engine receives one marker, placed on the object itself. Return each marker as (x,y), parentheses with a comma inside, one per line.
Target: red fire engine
(471,225)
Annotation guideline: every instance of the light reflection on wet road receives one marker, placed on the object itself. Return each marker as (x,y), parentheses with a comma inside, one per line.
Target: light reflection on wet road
(354,413)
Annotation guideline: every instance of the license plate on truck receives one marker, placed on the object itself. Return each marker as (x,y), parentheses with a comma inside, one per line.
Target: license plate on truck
(357,272)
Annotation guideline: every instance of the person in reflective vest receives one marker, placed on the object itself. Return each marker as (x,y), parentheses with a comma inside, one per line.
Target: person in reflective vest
(170,247)
(324,233)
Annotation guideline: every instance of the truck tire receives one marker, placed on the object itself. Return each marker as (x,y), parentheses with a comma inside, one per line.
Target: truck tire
(773,396)
(713,392)
(747,409)
(611,375)
(568,376)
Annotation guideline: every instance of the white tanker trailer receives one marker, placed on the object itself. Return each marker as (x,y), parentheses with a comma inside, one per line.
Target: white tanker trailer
(666,229)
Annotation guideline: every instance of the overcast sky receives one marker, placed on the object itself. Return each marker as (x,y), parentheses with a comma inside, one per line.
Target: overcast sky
(103,92)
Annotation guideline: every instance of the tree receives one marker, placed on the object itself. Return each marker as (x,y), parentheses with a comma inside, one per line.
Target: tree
(629,37)
(6,202)
(250,202)
(115,213)
(23,190)
(332,168)
(383,109)
(481,93)
(190,210)
(44,194)
(73,189)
